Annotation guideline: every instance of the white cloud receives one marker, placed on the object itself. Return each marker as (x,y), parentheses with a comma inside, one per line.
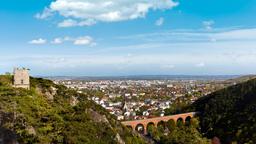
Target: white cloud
(234,60)
(201,64)
(67,23)
(86,40)
(105,10)
(188,36)
(45,14)
(237,34)
(38,41)
(87,22)
(164,61)
(73,23)
(160,21)
(208,24)
(57,41)
(83,40)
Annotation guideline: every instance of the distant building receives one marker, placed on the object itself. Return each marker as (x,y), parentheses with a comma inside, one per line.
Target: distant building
(21,78)
(125,107)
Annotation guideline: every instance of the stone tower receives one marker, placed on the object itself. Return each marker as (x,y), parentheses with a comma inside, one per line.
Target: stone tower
(21,78)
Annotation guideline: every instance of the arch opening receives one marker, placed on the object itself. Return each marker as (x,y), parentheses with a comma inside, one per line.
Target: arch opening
(188,121)
(170,124)
(140,128)
(150,128)
(179,122)
(161,126)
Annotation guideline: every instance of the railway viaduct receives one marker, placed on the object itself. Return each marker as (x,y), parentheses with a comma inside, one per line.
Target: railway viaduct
(144,123)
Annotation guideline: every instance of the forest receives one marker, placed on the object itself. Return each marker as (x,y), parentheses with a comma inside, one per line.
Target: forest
(229,114)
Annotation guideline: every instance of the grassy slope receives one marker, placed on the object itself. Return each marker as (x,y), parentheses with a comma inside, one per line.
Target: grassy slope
(35,118)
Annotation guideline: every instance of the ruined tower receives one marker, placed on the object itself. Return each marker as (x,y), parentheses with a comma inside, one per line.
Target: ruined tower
(21,78)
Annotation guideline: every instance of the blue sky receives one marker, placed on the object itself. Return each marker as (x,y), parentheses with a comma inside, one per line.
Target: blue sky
(128,37)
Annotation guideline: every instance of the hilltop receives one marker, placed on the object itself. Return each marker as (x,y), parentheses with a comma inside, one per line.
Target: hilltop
(241,79)
(230,113)
(49,113)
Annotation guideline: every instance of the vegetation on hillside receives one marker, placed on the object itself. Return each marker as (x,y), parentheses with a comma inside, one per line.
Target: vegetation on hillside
(230,113)
(177,133)
(50,113)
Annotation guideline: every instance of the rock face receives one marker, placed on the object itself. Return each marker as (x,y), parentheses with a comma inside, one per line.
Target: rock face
(31,130)
(102,118)
(49,94)
(74,101)
(119,139)
(98,117)
(7,137)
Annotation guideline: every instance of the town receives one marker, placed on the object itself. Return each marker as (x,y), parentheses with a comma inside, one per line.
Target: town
(143,99)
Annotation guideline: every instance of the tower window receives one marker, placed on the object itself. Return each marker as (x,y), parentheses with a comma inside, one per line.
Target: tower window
(22,82)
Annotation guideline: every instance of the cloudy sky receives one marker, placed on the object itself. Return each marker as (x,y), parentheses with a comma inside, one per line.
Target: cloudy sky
(128,37)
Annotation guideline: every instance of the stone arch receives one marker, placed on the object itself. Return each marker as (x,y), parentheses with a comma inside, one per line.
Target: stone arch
(179,122)
(161,125)
(188,120)
(140,128)
(171,124)
(149,127)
